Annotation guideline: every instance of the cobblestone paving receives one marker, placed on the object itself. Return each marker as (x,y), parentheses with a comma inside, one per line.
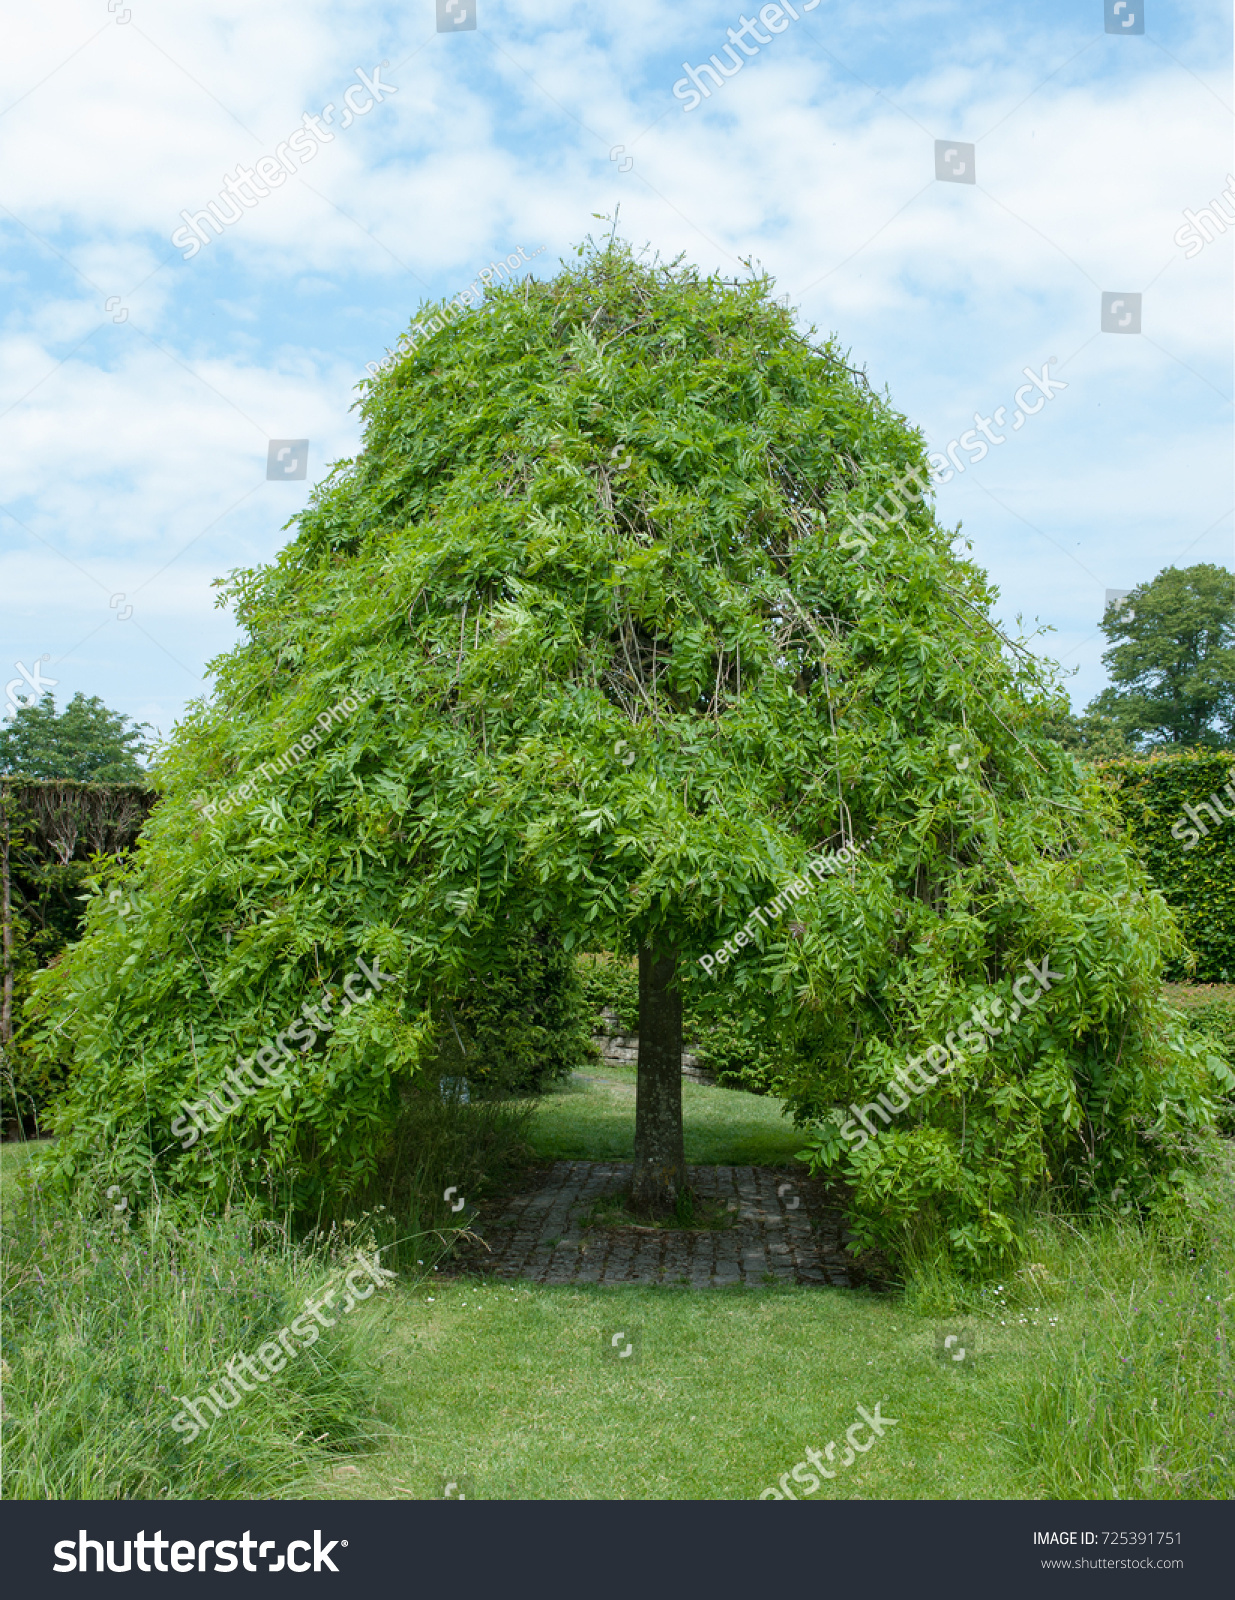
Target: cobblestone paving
(784,1233)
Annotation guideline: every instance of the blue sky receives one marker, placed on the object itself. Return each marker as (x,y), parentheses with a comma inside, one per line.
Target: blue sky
(139,390)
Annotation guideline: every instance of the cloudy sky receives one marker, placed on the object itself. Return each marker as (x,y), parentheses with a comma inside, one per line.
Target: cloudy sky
(143,377)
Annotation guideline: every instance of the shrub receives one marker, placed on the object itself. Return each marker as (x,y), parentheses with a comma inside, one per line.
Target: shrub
(521,1023)
(735,1046)
(55,836)
(611,982)
(1209,1014)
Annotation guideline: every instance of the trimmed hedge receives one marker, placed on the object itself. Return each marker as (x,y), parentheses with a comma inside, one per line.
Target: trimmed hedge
(1193,870)
(519,1025)
(56,836)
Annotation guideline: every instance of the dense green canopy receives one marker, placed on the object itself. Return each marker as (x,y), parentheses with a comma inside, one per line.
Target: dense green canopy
(635,619)
(1172,659)
(85,742)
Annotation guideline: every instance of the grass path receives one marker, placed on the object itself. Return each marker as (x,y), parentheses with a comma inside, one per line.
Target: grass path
(506,1389)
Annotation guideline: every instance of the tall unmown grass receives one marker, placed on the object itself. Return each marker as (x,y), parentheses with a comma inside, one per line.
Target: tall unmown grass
(109,1319)
(108,1322)
(1133,1396)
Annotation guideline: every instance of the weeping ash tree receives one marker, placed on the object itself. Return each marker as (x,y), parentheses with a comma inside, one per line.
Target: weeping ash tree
(638,595)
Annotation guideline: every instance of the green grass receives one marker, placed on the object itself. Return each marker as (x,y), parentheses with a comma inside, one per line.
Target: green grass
(14,1154)
(107,1322)
(1101,1369)
(1063,1394)
(506,1386)
(591,1117)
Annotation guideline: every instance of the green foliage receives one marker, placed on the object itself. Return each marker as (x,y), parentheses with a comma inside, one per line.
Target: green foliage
(1090,736)
(1172,660)
(520,1024)
(1195,873)
(85,742)
(622,668)
(1211,1017)
(735,1047)
(609,981)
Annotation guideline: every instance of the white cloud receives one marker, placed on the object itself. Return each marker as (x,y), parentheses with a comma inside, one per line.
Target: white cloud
(120,457)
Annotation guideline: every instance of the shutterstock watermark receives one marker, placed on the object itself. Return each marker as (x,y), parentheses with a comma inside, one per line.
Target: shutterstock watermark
(1195,232)
(775,18)
(621,1345)
(270,1354)
(822,866)
(294,753)
(186,1555)
(806,1480)
(1040,388)
(287,460)
(942,1058)
(954,1346)
(854,536)
(454,16)
(250,185)
(268,1057)
(29,693)
(954,161)
(454,307)
(1213,805)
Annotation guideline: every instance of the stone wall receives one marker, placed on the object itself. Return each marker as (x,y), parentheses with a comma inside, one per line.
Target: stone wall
(618,1049)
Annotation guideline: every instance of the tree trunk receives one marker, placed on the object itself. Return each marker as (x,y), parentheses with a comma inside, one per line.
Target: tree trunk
(660,1161)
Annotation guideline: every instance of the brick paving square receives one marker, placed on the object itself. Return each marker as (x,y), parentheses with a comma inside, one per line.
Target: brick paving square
(783,1227)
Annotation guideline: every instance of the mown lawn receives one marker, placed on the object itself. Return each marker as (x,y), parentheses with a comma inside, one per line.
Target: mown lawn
(505,1390)
(592,1118)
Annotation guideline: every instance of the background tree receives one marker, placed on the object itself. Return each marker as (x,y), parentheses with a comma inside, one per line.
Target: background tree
(1172,659)
(86,742)
(1091,735)
(642,615)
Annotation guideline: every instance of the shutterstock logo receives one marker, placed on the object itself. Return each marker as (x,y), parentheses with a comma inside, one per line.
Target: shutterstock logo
(187,1555)
(287,459)
(1125,16)
(1121,313)
(953,161)
(455,16)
